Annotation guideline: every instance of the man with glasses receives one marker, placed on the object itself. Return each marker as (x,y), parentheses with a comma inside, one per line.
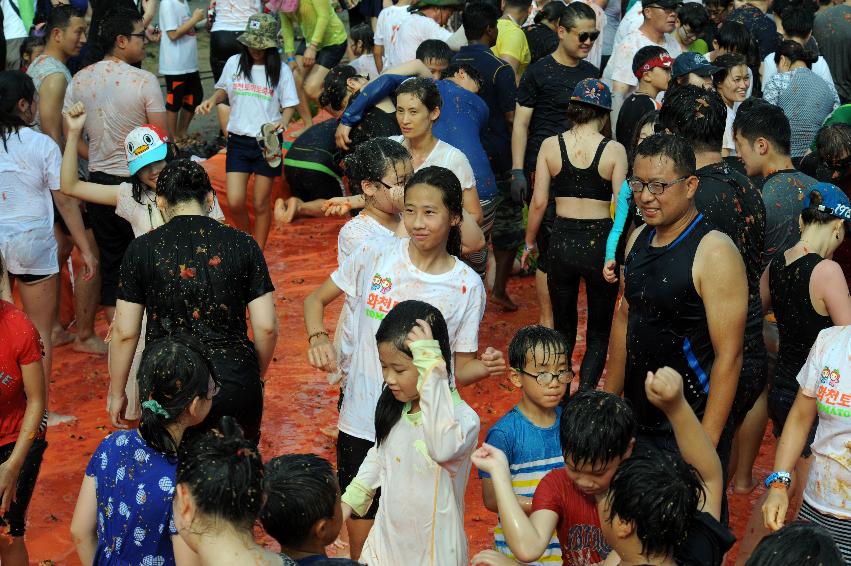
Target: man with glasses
(685,297)
(660,19)
(118,97)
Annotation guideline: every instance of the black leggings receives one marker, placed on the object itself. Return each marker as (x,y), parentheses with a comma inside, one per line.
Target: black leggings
(577,250)
(223,45)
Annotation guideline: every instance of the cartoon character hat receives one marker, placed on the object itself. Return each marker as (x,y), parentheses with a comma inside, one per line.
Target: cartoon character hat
(833,201)
(690,62)
(261,32)
(593,92)
(145,145)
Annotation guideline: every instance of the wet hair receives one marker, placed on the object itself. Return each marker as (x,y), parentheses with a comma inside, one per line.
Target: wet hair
(14,86)
(695,16)
(833,141)
(596,427)
(434,49)
(477,18)
(674,147)
(757,118)
(300,490)
(579,113)
(522,347)
(425,89)
(697,114)
(224,474)
(450,189)
(797,543)
(650,117)
(117,22)
(812,215)
(645,54)
(574,12)
(726,64)
(174,371)
(183,180)
(271,62)
(137,188)
(363,33)
(734,37)
(659,493)
(394,329)
(797,21)
(334,88)
(471,71)
(371,160)
(60,18)
(795,52)
(551,12)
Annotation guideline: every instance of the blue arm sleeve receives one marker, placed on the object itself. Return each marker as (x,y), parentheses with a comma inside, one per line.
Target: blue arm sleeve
(621,211)
(371,95)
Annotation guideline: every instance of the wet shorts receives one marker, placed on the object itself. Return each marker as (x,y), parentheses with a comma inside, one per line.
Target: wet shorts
(351,452)
(245,156)
(329,57)
(16,516)
(183,91)
(508,232)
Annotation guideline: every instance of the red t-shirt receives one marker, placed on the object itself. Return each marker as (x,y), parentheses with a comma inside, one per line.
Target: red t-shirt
(578,526)
(20,345)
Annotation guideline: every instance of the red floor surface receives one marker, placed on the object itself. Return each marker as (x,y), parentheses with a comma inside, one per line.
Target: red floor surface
(299,403)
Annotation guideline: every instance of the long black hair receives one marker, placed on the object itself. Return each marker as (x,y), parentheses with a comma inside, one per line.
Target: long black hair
(449,186)
(371,160)
(174,371)
(14,86)
(271,60)
(394,329)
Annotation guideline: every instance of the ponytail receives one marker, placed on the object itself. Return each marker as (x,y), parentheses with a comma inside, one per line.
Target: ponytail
(449,186)
(795,52)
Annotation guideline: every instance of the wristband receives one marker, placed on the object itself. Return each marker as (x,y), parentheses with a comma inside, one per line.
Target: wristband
(290,59)
(528,248)
(315,334)
(778,479)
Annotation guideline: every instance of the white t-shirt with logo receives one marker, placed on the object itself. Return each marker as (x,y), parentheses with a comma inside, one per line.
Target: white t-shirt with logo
(179,56)
(253,102)
(623,53)
(232,15)
(378,276)
(401,33)
(826,376)
(450,157)
(29,170)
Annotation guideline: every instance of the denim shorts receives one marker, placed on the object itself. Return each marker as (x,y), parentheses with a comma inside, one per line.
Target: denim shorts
(245,156)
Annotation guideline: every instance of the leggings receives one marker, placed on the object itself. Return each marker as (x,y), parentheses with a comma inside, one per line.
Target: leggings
(576,251)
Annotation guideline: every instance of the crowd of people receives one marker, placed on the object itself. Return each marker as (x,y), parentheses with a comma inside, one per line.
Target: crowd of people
(687,165)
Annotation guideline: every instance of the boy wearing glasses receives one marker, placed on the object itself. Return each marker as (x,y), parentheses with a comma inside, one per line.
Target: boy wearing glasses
(529,433)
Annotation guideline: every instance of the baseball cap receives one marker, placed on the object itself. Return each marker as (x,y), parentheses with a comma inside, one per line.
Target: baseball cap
(690,62)
(833,200)
(593,92)
(145,145)
(661,3)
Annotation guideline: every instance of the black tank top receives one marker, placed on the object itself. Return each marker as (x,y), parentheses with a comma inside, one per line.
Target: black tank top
(581,183)
(797,321)
(667,322)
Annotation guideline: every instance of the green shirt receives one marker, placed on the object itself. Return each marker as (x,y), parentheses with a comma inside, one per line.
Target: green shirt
(318,22)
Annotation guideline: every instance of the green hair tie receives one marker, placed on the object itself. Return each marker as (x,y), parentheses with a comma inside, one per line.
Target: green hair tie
(154,406)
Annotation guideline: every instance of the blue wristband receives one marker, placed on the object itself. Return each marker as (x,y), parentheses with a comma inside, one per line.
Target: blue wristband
(290,59)
(778,478)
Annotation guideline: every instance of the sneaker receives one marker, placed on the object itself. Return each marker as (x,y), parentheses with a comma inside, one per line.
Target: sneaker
(270,144)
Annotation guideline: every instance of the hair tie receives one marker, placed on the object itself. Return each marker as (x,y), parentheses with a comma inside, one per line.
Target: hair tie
(154,406)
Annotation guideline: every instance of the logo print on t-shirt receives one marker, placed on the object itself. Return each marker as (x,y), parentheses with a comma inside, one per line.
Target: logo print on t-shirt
(379,302)
(831,400)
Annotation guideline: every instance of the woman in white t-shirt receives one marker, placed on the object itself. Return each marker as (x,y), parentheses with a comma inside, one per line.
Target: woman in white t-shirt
(732,82)
(148,151)
(381,273)
(29,186)
(258,86)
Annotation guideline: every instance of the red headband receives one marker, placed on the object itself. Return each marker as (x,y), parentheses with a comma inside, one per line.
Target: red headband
(665,61)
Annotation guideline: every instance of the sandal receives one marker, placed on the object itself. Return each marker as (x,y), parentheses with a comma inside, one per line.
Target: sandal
(270,144)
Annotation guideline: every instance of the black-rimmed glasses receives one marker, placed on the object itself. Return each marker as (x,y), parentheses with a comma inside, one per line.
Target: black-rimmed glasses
(637,186)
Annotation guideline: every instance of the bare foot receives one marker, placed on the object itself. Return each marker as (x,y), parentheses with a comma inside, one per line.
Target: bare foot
(330,432)
(92,345)
(292,207)
(60,336)
(744,489)
(54,419)
(505,302)
(278,213)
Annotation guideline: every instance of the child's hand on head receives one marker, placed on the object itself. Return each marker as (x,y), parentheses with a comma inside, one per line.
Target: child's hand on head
(420,331)
(664,388)
(494,361)
(489,459)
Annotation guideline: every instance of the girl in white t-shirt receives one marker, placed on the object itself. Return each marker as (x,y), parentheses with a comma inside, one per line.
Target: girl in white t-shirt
(148,151)
(379,274)
(425,434)
(257,85)
(732,83)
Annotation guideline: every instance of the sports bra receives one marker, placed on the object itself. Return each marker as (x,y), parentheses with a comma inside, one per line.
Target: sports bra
(581,183)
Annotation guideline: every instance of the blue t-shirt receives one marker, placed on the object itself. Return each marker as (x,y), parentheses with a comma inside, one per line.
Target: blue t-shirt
(134,487)
(532,453)
(463,117)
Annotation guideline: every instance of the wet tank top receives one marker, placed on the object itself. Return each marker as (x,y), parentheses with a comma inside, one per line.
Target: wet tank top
(667,323)
(798,323)
(574,182)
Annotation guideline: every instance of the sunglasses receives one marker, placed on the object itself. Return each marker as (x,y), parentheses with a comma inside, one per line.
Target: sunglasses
(585,36)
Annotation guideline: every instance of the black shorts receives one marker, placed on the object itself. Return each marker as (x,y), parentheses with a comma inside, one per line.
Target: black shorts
(113,234)
(16,516)
(223,45)
(29,279)
(183,91)
(57,219)
(308,184)
(507,233)
(245,156)
(351,452)
(328,57)
(370,8)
